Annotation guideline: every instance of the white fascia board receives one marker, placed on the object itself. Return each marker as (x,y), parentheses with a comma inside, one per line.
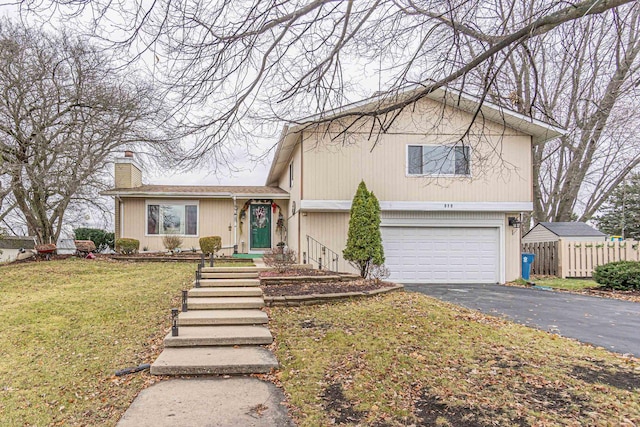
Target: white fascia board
(345,205)
(183,195)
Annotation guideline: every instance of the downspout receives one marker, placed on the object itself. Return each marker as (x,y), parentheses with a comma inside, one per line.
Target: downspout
(121,216)
(235,224)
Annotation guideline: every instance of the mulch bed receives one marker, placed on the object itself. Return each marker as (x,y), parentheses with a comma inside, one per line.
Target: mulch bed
(295,272)
(310,288)
(633,296)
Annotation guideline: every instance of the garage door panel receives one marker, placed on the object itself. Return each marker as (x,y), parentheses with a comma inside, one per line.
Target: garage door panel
(442,254)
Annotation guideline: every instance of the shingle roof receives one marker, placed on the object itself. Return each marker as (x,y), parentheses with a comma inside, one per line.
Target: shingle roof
(12,242)
(199,191)
(571,229)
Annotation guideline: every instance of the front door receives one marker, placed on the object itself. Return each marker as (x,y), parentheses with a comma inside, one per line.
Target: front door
(260,226)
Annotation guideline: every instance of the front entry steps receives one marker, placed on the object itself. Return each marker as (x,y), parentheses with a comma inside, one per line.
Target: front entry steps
(226,291)
(194,336)
(225,303)
(222,317)
(214,361)
(222,330)
(235,283)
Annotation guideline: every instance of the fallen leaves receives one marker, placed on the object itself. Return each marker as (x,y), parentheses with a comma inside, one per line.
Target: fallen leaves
(397,357)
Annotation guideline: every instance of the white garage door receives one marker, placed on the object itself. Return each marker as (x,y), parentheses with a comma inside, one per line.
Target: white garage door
(442,254)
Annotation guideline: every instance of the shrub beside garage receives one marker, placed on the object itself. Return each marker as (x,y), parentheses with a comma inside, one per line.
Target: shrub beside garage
(620,275)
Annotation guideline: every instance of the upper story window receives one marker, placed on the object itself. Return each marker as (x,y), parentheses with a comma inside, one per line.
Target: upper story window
(438,160)
(291,174)
(172,218)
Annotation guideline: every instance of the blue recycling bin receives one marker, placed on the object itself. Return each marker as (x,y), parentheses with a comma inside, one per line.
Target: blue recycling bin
(527,260)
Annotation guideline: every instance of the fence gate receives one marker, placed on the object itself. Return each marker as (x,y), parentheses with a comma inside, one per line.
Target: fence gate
(546,260)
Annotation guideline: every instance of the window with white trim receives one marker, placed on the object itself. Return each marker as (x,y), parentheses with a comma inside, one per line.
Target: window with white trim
(291,174)
(438,160)
(172,218)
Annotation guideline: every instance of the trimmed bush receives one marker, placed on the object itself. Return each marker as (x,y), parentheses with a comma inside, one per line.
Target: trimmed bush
(620,275)
(210,244)
(127,246)
(171,242)
(100,238)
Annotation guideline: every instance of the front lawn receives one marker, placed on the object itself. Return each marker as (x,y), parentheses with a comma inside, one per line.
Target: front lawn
(567,284)
(67,326)
(407,359)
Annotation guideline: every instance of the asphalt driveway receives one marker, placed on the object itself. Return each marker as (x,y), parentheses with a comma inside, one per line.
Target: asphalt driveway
(609,323)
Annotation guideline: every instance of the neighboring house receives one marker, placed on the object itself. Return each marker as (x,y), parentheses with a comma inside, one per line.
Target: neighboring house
(569,231)
(445,205)
(10,246)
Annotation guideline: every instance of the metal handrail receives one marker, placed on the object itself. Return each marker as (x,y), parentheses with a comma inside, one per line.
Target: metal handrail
(321,255)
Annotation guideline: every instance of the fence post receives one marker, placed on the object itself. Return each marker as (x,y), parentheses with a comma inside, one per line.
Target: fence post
(561,256)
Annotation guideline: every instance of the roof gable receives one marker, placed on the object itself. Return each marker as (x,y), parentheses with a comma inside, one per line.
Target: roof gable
(538,130)
(571,229)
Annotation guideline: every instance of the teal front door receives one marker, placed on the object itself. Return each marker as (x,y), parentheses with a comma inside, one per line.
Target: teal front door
(260,224)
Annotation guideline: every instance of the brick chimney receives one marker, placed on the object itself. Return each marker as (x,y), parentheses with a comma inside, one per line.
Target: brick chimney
(128,173)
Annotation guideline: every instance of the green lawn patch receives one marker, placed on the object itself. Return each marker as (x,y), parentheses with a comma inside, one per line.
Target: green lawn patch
(404,359)
(566,284)
(67,326)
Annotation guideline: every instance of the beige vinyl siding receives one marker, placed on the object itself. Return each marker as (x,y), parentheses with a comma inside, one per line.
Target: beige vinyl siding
(214,218)
(291,219)
(330,229)
(539,234)
(500,160)
(333,172)
(512,250)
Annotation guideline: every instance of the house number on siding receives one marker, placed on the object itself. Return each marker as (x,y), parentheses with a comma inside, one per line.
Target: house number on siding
(448,205)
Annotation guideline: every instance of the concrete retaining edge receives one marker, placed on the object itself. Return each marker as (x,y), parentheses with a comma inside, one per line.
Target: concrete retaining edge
(319,279)
(298,300)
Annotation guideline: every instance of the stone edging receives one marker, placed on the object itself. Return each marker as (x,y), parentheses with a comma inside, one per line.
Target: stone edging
(297,300)
(274,280)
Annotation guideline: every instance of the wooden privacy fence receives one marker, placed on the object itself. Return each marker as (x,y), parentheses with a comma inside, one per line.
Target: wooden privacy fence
(578,259)
(546,261)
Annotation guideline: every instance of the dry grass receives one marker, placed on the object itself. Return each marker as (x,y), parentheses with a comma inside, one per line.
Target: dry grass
(407,359)
(67,326)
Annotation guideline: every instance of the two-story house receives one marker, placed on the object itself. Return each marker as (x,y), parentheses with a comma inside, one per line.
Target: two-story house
(452,175)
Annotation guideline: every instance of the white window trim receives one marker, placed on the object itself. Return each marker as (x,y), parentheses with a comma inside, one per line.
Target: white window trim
(171,202)
(443,175)
(291,174)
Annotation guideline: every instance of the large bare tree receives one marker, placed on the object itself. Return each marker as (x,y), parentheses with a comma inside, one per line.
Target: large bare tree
(226,61)
(573,63)
(584,78)
(64,111)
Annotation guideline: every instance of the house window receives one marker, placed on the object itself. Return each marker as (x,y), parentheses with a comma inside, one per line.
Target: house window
(438,160)
(291,175)
(172,219)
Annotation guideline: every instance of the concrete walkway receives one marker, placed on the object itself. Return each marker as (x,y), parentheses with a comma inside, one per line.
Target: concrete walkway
(221,331)
(604,322)
(208,402)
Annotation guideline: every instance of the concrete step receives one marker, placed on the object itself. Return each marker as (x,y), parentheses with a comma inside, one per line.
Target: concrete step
(196,336)
(214,303)
(222,317)
(214,360)
(230,269)
(218,275)
(208,283)
(226,291)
